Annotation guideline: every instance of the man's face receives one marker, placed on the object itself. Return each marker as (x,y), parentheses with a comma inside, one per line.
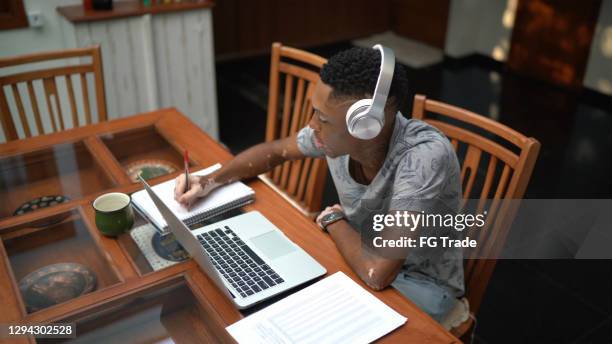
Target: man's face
(329,123)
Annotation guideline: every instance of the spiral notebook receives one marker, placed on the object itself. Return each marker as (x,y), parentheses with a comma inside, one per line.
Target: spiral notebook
(225,198)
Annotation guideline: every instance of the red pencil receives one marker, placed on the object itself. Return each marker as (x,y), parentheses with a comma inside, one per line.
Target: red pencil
(186,165)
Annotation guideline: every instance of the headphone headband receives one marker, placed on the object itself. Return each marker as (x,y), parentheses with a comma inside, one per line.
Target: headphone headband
(383,85)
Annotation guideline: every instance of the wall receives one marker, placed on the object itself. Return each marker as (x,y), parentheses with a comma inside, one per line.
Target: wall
(28,40)
(480,26)
(598,74)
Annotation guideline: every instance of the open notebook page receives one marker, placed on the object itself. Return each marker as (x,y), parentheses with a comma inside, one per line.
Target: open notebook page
(333,310)
(165,191)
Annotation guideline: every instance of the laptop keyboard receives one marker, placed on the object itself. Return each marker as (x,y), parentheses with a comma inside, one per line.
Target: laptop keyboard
(238,264)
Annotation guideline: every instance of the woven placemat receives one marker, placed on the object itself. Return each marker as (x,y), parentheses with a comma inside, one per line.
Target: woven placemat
(143,236)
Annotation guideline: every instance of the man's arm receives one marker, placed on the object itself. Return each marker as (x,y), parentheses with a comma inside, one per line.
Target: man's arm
(259,159)
(375,270)
(250,163)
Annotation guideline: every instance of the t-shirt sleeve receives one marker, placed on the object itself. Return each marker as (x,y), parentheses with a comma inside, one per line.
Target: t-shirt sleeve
(306,144)
(427,179)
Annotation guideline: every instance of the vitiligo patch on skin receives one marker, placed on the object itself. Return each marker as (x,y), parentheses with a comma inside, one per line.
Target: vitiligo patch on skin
(269,161)
(370,282)
(212,182)
(284,153)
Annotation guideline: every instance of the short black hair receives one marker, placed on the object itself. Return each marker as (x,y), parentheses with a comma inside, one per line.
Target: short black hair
(354,72)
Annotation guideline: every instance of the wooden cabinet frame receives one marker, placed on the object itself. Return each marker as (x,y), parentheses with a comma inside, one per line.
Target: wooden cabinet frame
(13,16)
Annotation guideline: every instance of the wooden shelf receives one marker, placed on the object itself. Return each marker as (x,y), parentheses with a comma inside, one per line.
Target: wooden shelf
(78,14)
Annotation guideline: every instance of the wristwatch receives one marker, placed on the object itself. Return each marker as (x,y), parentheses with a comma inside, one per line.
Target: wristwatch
(331,218)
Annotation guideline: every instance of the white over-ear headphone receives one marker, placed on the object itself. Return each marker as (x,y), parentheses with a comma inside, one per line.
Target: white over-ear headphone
(366,117)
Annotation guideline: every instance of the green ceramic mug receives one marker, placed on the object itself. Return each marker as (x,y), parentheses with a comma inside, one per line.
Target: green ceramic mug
(114,213)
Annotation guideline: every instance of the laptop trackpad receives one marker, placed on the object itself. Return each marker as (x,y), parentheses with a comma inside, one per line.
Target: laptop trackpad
(273,244)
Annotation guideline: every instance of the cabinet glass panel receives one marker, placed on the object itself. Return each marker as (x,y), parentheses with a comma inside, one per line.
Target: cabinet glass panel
(47,177)
(144,151)
(55,260)
(167,313)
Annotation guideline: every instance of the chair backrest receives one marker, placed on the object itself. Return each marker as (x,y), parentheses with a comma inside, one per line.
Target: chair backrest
(293,76)
(506,159)
(56,86)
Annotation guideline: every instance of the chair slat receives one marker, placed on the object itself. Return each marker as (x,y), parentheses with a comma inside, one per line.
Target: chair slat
(471,162)
(418,107)
(312,183)
(73,109)
(98,77)
(288,97)
(20,109)
(297,108)
(503,181)
(85,92)
(10,132)
(295,119)
(301,191)
(284,178)
(488,182)
(307,108)
(295,174)
(294,177)
(455,144)
(50,94)
(284,121)
(493,209)
(272,120)
(35,110)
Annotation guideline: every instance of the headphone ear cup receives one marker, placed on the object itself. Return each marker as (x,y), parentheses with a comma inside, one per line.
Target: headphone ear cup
(360,123)
(358,109)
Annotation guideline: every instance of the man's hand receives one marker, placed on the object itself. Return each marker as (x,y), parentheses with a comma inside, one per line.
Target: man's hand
(200,186)
(328,210)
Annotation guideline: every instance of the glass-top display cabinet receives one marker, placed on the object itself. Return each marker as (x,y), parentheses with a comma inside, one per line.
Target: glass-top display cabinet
(56,266)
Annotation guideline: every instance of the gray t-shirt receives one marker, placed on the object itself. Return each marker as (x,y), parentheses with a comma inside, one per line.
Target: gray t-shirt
(420,167)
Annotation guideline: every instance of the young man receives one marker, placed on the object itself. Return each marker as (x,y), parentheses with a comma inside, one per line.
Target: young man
(406,167)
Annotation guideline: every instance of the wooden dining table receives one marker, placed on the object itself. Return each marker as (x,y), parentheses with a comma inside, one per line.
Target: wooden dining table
(131,299)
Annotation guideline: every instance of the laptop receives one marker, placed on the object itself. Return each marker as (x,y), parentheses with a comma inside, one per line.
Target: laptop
(247,256)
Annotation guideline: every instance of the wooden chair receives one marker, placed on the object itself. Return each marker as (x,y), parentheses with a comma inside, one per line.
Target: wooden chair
(293,76)
(508,159)
(52,94)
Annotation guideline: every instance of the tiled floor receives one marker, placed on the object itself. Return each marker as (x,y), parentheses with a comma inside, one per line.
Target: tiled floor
(528,301)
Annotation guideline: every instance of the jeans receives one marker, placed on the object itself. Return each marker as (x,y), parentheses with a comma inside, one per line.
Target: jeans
(432,298)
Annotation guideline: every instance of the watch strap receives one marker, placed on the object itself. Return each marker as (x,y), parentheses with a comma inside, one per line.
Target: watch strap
(338,216)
